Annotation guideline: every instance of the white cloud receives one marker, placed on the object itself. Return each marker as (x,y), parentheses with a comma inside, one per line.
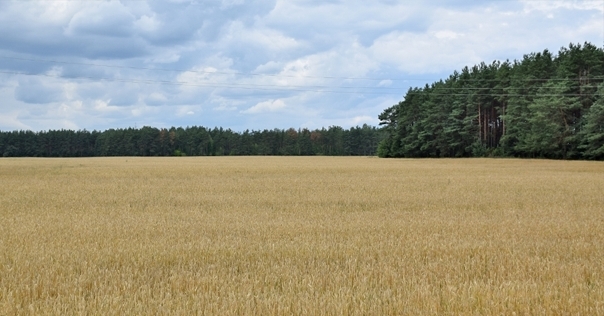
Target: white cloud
(479,35)
(552,5)
(359,120)
(156,98)
(185,110)
(296,62)
(447,35)
(226,4)
(422,53)
(102,19)
(9,121)
(103,106)
(266,106)
(385,83)
(147,24)
(164,58)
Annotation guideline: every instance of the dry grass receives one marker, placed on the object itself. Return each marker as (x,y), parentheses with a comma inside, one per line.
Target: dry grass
(274,235)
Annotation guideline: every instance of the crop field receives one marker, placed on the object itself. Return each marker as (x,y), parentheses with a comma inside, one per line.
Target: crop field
(302,236)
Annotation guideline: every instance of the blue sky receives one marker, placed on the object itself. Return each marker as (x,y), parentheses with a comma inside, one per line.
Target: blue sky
(96,64)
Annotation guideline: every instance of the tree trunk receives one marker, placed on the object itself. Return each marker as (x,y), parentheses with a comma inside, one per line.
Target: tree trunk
(479,124)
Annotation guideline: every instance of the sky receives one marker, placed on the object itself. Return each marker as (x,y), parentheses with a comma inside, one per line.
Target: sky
(264,64)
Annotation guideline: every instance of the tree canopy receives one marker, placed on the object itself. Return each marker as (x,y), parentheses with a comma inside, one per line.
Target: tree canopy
(545,105)
(193,141)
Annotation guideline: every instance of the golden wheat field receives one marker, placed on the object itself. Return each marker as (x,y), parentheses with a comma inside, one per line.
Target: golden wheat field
(301,236)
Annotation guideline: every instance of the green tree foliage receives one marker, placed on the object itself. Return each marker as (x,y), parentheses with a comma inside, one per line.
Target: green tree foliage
(550,120)
(541,106)
(593,131)
(191,141)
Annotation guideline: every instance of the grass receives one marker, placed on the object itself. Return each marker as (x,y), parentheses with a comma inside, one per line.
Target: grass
(314,236)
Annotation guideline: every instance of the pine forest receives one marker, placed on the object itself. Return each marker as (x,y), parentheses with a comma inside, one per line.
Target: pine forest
(543,106)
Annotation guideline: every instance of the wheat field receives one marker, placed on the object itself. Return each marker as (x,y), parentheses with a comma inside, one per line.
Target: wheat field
(301,236)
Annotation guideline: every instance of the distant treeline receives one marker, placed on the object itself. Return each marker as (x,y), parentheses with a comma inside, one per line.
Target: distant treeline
(541,106)
(192,141)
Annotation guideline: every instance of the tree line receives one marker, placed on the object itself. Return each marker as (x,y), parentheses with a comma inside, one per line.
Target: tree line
(193,141)
(545,105)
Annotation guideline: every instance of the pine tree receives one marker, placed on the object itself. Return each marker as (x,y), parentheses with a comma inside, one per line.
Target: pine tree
(593,131)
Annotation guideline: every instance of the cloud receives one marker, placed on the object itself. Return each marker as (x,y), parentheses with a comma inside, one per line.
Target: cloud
(10,121)
(110,19)
(226,4)
(360,120)
(385,83)
(156,98)
(266,106)
(261,64)
(69,28)
(36,91)
(548,6)
(457,39)
(147,24)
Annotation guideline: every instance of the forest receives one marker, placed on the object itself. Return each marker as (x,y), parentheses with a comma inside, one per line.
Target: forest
(192,141)
(543,106)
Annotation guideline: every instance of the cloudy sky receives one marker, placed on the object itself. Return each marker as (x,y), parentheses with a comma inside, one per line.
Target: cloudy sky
(99,64)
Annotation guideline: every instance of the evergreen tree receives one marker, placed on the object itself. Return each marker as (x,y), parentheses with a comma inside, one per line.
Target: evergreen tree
(593,131)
